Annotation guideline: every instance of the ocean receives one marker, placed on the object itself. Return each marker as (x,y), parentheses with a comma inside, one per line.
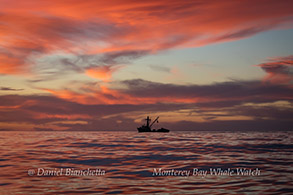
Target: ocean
(127,162)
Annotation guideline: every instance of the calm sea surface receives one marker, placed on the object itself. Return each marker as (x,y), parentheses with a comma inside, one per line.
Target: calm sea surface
(131,163)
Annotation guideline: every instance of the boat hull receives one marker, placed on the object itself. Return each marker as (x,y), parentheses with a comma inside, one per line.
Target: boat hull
(146,130)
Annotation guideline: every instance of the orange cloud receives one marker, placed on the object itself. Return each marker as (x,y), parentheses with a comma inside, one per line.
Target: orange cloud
(30,29)
(106,95)
(103,73)
(140,92)
(10,65)
(62,116)
(95,107)
(168,94)
(152,94)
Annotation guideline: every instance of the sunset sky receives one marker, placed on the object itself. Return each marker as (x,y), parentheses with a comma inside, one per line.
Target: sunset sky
(106,65)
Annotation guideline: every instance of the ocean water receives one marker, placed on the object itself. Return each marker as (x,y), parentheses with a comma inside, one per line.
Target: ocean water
(68,162)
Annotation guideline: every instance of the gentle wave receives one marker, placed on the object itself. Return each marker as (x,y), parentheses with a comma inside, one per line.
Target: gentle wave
(129,160)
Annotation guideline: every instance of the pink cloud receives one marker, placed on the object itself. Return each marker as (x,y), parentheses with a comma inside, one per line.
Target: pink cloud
(279,70)
(30,29)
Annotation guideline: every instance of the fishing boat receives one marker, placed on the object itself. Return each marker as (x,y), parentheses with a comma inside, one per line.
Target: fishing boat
(148,127)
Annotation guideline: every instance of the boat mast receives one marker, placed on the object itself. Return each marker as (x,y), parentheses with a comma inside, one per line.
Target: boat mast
(154,121)
(148,121)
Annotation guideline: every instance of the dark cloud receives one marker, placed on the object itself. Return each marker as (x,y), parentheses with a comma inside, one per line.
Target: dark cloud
(281,65)
(9,89)
(279,70)
(71,64)
(240,91)
(51,105)
(259,105)
(234,125)
(265,112)
(122,57)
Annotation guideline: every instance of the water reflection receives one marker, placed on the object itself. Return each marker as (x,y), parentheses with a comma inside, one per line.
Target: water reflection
(129,159)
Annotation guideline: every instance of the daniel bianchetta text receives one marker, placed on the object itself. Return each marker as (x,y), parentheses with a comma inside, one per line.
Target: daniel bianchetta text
(206,172)
(66,172)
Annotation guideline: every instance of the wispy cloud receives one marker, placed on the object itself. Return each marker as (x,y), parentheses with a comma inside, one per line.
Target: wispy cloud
(139,91)
(9,89)
(241,106)
(279,70)
(30,29)
(48,39)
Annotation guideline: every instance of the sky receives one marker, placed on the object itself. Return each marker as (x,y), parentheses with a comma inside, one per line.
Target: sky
(106,65)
